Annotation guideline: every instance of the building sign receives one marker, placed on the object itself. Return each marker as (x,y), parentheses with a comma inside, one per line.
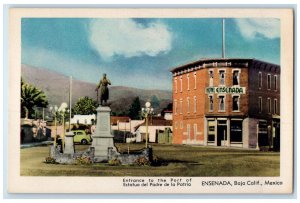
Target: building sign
(225,90)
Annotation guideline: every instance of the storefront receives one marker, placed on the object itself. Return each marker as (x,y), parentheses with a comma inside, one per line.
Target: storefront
(232,103)
(225,132)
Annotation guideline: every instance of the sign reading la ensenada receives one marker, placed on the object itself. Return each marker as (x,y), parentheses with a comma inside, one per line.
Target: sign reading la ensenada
(227,102)
(225,90)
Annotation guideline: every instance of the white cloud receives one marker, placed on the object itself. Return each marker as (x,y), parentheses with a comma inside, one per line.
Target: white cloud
(125,37)
(252,28)
(59,62)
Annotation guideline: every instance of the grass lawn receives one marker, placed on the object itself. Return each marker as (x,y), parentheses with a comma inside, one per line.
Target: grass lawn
(177,160)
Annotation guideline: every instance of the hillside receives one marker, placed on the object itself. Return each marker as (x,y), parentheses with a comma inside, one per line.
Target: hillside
(56,87)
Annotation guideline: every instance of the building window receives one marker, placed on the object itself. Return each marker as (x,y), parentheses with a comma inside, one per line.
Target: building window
(259,104)
(259,80)
(188,81)
(176,125)
(236,131)
(269,81)
(221,103)
(195,104)
(188,104)
(275,82)
(235,77)
(275,106)
(180,106)
(211,78)
(180,83)
(211,131)
(181,125)
(175,84)
(195,131)
(269,106)
(195,80)
(222,77)
(235,103)
(188,129)
(175,106)
(211,103)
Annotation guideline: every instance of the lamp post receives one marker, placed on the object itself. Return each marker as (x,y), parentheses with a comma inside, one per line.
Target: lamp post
(53,110)
(145,113)
(63,133)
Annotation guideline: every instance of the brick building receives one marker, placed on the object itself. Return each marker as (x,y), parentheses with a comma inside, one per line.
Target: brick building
(227,102)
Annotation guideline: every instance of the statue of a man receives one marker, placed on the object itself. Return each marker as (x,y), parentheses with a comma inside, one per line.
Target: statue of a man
(104,93)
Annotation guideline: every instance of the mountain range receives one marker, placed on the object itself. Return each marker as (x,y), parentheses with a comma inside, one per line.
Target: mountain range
(56,87)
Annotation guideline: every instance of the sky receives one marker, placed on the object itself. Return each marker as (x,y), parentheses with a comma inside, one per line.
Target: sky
(140,52)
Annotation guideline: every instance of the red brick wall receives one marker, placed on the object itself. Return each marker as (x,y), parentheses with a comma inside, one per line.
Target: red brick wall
(202,81)
(191,117)
(243,82)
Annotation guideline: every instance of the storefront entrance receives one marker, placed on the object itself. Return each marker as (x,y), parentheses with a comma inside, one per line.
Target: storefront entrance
(222,133)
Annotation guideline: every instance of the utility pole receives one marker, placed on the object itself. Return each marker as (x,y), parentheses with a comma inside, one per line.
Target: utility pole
(70,104)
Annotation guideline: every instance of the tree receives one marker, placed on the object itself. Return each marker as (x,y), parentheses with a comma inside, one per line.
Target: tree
(169,107)
(31,97)
(154,101)
(135,108)
(85,106)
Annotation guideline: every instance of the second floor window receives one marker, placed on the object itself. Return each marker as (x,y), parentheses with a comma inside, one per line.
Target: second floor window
(211,103)
(180,106)
(269,106)
(195,104)
(221,103)
(275,106)
(188,104)
(259,104)
(235,103)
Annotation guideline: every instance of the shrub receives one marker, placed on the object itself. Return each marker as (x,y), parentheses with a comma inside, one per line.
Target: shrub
(83,160)
(50,160)
(142,161)
(114,162)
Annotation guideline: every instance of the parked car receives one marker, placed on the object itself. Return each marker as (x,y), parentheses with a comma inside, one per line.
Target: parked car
(80,136)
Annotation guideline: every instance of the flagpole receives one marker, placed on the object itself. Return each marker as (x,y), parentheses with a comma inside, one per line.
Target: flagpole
(223,38)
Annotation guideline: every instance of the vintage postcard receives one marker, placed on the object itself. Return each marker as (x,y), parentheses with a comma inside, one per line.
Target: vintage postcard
(181,101)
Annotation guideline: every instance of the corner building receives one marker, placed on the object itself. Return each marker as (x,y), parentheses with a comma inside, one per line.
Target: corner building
(227,102)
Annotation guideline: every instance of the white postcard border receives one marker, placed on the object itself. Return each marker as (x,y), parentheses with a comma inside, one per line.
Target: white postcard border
(20,184)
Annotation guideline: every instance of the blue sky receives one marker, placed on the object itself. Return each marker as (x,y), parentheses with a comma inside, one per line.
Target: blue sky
(141,52)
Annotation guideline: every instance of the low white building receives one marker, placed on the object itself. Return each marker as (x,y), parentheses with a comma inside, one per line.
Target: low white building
(83,119)
(168,115)
(124,123)
(154,125)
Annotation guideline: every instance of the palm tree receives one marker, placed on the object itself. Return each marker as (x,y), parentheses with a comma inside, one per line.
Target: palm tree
(31,97)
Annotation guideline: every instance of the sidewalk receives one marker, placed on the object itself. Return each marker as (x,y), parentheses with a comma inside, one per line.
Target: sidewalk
(36,144)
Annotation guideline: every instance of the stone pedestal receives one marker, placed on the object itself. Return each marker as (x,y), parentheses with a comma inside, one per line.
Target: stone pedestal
(103,142)
(69,143)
